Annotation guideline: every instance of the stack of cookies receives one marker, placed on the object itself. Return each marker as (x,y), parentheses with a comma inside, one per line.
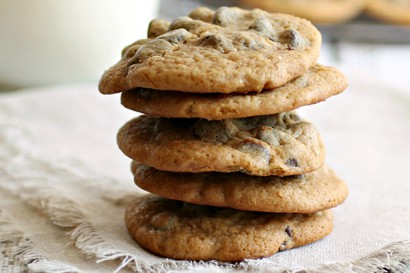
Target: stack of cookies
(234,172)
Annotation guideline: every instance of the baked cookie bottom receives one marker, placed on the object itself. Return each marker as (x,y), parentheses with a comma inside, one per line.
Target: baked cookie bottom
(306,193)
(179,230)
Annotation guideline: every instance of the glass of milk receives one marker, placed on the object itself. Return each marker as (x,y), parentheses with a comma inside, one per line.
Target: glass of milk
(46,42)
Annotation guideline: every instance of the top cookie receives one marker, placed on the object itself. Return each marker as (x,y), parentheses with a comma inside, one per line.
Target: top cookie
(238,51)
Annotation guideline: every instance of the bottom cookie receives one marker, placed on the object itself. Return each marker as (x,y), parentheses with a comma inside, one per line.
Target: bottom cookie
(180,230)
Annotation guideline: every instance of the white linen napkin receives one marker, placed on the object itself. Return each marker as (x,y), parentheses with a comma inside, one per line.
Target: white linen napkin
(64,186)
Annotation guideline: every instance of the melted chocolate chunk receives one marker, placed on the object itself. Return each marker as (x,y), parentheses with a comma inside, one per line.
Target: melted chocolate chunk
(175,36)
(250,146)
(292,162)
(288,231)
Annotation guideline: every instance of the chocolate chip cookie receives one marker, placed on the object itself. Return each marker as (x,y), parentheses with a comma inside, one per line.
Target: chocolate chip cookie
(316,85)
(281,144)
(237,51)
(180,230)
(306,193)
(392,11)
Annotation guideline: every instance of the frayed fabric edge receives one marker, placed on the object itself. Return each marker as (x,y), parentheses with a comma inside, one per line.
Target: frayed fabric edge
(65,213)
(23,249)
(394,257)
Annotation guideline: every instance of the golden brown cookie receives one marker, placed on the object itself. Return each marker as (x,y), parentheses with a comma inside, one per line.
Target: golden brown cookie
(318,11)
(239,51)
(305,193)
(179,230)
(280,144)
(392,11)
(318,84)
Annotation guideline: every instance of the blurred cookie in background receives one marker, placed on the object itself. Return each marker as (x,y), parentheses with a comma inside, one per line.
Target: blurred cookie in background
(317,11)
(391,11)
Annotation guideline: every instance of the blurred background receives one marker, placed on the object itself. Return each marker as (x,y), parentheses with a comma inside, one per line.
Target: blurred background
(53,42)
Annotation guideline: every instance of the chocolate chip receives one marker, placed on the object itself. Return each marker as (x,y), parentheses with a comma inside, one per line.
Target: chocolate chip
(251,147)
(292,162)
(176,36)
(285,119)
(292,38)
(213,40)
(268,135)
(224,16)
(215,131)
(216,41)
(288,231)
(217,21)
(290,117)
(245,41)
(261,24)
(254,147)
(202,13)
(153,48)
(184,23)
(253,122)
(157,27)
(130,50)
(246,124)
(264,27)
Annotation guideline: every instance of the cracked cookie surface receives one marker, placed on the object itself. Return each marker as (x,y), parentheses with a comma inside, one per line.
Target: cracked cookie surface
(280,144)
(307,193)
(223,51)
(179,230)
(316,85)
